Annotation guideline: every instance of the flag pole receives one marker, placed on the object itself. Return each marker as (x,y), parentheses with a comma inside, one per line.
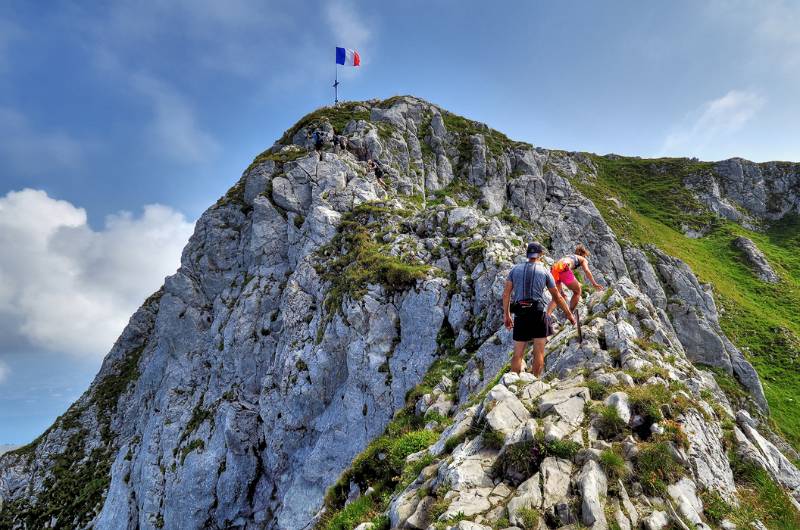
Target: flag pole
(336,86)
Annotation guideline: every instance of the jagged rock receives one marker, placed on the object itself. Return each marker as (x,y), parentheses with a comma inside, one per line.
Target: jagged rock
(469,467)
(365,526)
(568,403)
(460,426)
(421,516)
(619,400)
(507,412)
(593,486)
(756,259)
(696,322)
(707,456)
(684,493)
(469,525)
(528,495)
(620,518)
(403,507)
(657,520)
(747,192)
(754,447)
(630,508)
(469,502)
(556,475)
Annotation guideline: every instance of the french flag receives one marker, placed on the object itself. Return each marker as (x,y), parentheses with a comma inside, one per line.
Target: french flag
(347,57)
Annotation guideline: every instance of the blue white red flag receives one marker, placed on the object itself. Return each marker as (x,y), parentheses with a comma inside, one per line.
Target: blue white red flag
(347,57)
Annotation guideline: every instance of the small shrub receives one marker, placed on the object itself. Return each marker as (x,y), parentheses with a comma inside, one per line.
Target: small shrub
(656,468)
(609,422)
(597,390)
(647,400)
(714,506)
(565,449)
(529,517)
(673,432)
(352,515)
(381,522)
(453,442)
(493,439)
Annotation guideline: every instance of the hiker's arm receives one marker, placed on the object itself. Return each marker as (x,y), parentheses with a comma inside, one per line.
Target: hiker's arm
(507,320)
(585,267)
(558,299)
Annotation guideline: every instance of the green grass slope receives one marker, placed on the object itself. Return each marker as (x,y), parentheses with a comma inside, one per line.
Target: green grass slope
(761,319)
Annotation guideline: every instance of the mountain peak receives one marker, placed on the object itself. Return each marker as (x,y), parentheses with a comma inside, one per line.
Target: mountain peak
(336,326)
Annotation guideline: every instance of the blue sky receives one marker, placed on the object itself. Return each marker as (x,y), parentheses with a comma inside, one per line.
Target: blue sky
(121,122)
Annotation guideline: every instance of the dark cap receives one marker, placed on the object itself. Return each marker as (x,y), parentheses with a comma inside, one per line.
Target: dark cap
(535,250)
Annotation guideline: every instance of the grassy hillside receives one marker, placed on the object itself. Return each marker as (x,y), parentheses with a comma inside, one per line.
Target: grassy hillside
(762,319)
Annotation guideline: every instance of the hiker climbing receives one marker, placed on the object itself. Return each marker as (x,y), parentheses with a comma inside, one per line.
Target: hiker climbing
(562,271)
(524,298)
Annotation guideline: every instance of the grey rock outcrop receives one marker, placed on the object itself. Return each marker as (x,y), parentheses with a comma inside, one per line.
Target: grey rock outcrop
(756,259)
(748,192)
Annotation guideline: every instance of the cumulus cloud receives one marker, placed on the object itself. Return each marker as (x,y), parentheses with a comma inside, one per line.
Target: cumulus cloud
(3,371)
(29,150)
(713,121)
(66,287)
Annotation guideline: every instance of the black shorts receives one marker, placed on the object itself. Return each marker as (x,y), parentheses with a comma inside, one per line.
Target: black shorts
(531,324)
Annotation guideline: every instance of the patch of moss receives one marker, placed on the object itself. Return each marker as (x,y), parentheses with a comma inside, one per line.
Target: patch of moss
(195,444)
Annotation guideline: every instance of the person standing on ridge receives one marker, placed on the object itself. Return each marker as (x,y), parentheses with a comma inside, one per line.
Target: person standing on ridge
(524,297)
(562,273)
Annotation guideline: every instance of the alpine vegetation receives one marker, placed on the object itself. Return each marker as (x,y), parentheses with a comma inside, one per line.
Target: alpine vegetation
(333,352)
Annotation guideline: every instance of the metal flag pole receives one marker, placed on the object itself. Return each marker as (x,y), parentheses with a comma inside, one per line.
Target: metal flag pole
(336,86)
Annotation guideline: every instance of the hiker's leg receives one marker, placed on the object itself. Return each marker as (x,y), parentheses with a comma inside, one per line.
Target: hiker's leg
(519,353)
(538,356)
(575,287)
(552,305)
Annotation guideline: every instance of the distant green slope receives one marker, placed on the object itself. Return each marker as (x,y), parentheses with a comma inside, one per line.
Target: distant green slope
(761,319)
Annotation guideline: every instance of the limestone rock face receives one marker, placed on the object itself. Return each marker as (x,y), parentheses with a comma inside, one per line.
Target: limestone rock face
(747,192)
(756,259)
(322,289)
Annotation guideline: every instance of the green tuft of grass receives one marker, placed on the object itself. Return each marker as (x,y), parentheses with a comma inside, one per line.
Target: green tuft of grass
(609,422)
(656,468)
(613,464)
(529,518)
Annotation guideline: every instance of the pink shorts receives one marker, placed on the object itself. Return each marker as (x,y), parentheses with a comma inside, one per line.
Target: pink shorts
(566,277)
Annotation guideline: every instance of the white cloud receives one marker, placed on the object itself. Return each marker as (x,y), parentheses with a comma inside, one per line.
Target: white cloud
(174,131)
(4,371)
(69,288)
(712,122)
(28,151)
(347,25)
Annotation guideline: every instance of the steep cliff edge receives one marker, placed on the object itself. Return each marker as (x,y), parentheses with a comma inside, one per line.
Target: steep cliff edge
(328,283)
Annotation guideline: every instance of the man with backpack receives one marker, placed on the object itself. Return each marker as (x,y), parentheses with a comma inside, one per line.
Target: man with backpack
(524,298)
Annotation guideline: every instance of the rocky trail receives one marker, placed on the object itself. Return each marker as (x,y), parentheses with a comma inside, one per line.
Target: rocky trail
(331,351)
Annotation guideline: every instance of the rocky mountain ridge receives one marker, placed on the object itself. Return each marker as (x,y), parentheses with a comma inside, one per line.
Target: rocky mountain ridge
(320,294)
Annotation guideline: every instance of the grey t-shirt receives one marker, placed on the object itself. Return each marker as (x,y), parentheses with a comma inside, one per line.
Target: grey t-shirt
(530,280)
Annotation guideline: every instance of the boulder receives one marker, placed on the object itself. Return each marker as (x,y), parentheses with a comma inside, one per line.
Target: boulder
(620,401)
(593,487)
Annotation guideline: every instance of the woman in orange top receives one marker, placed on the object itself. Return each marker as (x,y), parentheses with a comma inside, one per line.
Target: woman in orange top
(562,274)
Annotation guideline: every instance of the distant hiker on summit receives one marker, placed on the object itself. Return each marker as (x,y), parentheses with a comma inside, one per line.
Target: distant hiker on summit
(524,298)
(562,273)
